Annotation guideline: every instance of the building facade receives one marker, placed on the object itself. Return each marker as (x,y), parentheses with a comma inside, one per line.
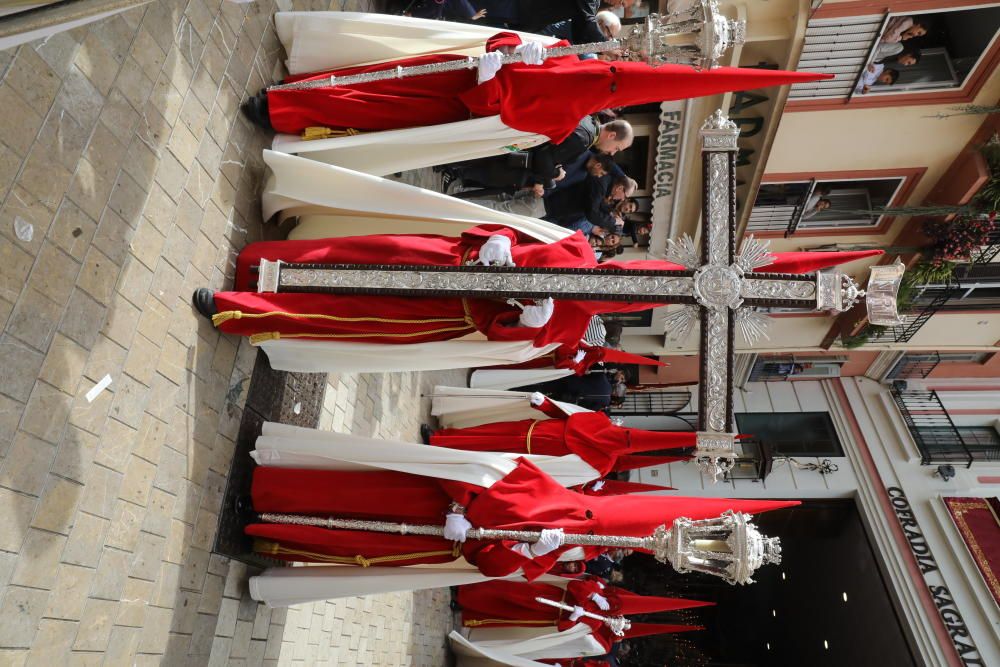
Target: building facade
(903,420)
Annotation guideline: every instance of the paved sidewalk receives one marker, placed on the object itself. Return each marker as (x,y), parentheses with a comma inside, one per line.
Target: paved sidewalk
(127,179)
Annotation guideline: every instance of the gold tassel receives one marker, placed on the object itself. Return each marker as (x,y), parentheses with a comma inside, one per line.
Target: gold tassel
(225,316)
(311,133)
(265,546)
(258,338)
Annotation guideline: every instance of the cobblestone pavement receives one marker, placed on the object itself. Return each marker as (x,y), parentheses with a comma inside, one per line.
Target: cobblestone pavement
(127,179)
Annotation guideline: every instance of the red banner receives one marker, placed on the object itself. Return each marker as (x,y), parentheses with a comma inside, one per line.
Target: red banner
(978,520)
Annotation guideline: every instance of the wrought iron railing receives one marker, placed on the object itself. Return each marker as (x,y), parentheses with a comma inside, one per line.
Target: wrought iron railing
(652,403)
(932,299)
(988,252)
(781,216)
(774,369)
(937,437)
(914,366)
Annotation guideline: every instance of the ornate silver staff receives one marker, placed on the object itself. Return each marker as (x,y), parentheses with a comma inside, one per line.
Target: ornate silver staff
(617,624)
(727,546)
(696,36)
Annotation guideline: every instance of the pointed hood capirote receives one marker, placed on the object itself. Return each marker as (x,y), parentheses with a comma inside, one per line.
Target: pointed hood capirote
(640,440)
(616,487)
(633,603)
(551,98)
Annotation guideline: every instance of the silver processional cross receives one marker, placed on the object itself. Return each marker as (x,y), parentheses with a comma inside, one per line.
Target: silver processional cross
(717,288)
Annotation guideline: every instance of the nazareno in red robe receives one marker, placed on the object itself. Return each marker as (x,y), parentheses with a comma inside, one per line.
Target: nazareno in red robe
(548,99)
(525,499)
(505,603)
(590,435)
(512,603)
(400,320)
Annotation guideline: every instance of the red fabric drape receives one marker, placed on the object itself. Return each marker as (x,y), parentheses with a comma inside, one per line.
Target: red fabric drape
(590,435)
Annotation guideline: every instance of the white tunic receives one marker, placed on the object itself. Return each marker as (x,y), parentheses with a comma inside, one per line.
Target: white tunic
(458,407)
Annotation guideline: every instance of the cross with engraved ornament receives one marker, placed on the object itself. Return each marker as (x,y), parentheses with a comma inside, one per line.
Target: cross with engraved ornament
(718,288)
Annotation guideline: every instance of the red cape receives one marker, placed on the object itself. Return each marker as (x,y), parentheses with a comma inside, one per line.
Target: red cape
(590,435)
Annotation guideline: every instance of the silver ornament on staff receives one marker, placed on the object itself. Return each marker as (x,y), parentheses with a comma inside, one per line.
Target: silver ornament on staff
(617,624)
(728,546)
(696,36)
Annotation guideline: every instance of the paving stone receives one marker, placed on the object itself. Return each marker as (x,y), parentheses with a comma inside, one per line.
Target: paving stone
(57,505)
(99,65)
(26,465)
(95,625)
(126,523)
(38,559)
(85,541)
(80,98)
(109,580)
(21,365)
(83,318)
(64,364)
(122,645)
(20,614)
(70,588)
(138,481)
(34,319)
(31,77)
(146,563)
(116,445)
(20,122)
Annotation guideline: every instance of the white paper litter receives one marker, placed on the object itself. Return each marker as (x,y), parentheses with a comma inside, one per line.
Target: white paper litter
(98,388)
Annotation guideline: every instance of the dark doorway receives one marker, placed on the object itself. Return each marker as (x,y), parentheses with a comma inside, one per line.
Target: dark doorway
(826,605)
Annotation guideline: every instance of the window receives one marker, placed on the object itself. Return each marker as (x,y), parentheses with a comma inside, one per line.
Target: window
(793,433)
(779,369)
(928,51)
(795,206)
(975,287)
(840,47)
(643,318)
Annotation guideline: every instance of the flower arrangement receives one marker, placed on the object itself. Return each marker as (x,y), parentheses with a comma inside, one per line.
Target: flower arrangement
(958,240)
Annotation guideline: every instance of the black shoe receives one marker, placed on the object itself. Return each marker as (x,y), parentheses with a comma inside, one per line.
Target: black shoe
(243,506)
(204,302)
(255,110)
(425,433)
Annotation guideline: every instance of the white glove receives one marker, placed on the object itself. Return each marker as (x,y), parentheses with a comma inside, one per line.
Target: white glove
(600,601)
(532,53)
(598,485)
(496,251)
(489,64)
(538,315)
(455,527)
(537,398)
(577,614)
(579,356)
(550,540)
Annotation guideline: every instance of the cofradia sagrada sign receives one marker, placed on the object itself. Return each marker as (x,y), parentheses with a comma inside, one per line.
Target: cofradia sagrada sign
(960,636)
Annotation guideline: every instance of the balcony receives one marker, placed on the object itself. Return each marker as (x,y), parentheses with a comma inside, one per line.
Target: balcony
(914,366)
(937,437)
(651,403)
(931,299)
